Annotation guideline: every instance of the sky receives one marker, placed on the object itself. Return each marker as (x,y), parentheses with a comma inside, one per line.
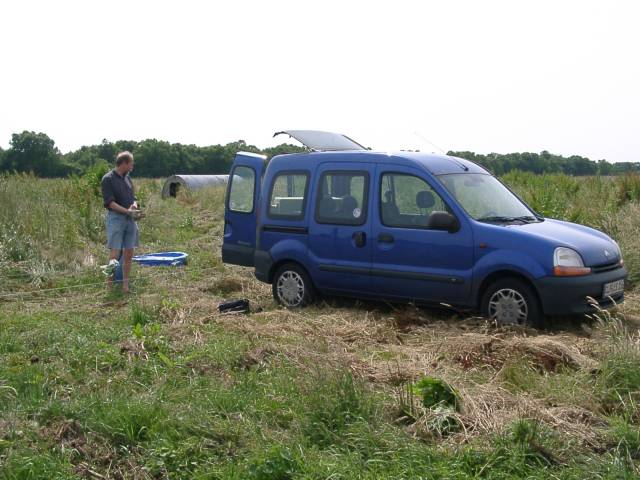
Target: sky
(485,76)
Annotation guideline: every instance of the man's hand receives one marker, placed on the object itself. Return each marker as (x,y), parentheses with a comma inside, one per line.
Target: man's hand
(135,213)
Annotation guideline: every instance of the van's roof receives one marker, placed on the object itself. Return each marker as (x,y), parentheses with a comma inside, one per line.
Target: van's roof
(434,163)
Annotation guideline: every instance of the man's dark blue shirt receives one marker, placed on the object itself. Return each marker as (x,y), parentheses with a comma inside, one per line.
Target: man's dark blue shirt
(117,188)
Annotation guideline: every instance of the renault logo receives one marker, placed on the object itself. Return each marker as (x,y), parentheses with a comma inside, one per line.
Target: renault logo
(606,253)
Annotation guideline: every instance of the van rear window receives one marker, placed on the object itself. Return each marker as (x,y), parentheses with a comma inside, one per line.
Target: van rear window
(342,198)
(243,182)
(288,195)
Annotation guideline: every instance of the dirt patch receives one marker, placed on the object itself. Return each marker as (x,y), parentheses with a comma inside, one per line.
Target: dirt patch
(67,434)
(228,285)
(92,456)
(134,349)
(258,357)
(201,367)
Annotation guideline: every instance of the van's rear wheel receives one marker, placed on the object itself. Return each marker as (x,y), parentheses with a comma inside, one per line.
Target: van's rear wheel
(292,286)
(510,301)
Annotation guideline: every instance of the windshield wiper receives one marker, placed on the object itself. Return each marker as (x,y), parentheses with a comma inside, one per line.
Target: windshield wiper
(504,219)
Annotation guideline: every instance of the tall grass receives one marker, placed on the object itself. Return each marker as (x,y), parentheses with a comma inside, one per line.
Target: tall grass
(52,226)
(48,221)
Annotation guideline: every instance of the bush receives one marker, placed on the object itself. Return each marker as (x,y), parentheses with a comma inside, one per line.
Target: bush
(436,393)
(277,464)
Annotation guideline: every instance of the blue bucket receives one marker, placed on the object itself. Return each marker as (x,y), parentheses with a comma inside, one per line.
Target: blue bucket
(168,259)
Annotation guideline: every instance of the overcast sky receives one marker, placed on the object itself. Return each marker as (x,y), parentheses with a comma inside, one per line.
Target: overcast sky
(486,76)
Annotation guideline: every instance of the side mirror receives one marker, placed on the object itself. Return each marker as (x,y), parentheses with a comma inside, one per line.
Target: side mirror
(443,221)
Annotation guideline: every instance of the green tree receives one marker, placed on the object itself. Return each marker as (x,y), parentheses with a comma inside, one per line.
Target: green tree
(34,152)
(282,149)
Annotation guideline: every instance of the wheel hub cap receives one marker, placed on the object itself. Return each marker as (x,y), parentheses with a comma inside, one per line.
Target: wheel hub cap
(290,288)
(508,307)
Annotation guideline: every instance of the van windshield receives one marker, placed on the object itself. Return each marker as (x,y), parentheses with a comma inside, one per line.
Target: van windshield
(485,198)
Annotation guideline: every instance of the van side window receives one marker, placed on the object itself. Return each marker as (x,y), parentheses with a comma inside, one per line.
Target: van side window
(288,195)
(407,201)
(342,198)
(241,191)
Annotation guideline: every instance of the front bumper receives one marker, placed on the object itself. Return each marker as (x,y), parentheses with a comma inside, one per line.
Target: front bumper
(568,295)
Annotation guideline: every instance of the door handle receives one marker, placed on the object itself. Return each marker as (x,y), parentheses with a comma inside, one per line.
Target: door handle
(359,238)
(385,238)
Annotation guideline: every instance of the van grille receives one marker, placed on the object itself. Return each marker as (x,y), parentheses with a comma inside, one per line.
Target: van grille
(605,267)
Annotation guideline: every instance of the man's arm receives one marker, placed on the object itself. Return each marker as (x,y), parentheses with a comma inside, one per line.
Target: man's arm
(119,208)
(108,195)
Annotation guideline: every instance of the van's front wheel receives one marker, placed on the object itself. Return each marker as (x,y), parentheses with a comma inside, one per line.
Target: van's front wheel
(292,286)
(510,301)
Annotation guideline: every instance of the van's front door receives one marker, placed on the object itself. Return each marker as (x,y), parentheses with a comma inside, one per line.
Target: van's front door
(411,260)
(240,212)
(340,230)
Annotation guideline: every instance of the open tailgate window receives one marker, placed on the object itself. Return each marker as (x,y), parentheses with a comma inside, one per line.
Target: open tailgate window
(322,141)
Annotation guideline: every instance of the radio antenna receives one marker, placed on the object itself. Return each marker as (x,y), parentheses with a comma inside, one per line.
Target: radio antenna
(422,137)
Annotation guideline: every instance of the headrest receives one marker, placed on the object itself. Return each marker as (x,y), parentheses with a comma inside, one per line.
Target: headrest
(349,203)
(424,199)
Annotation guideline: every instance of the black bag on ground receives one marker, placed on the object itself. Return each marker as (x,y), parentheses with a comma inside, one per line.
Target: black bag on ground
(234,306)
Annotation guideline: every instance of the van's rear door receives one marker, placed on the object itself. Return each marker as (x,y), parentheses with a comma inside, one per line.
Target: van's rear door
(240,209)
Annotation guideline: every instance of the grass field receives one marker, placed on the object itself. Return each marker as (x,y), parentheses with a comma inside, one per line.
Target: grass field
(158,384)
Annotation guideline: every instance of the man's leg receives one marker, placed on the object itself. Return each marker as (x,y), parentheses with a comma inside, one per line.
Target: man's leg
(114,254)
(129,243)
(126,268)
(115,237)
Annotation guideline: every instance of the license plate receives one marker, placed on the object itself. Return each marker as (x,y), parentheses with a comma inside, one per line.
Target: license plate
(613,288)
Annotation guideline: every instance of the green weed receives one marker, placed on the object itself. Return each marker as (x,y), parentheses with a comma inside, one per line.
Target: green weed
(333,404)
(142,314)
(278,463)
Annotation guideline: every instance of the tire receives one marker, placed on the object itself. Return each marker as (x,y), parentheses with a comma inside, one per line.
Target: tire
(510,301)
(292,287)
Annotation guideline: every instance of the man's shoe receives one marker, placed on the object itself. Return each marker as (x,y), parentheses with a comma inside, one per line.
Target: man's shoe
(110,269)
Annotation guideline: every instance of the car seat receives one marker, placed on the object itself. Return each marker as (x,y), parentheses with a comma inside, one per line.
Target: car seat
(349,204)
(390,211)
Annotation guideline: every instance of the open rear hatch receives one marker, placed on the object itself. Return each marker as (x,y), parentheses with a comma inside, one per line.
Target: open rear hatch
(241,212)
(322,141)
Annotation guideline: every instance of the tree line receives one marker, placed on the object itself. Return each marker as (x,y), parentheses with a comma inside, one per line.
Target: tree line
(37,153)
(546,162)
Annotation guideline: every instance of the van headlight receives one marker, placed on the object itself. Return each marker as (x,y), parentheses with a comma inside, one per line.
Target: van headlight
(568,263)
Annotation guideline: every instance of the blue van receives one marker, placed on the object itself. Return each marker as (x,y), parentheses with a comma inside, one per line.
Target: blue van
(408,226)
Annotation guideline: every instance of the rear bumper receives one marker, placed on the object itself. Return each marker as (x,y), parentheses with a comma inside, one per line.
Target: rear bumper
(237,255)
(263,263)
(568,295)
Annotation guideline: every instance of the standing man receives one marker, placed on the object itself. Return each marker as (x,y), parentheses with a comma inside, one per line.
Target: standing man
(122,211)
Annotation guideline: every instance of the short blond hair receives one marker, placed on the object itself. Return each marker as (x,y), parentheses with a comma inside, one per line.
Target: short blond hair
(124,157)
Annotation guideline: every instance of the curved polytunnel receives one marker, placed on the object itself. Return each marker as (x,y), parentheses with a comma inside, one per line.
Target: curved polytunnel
(174,183)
